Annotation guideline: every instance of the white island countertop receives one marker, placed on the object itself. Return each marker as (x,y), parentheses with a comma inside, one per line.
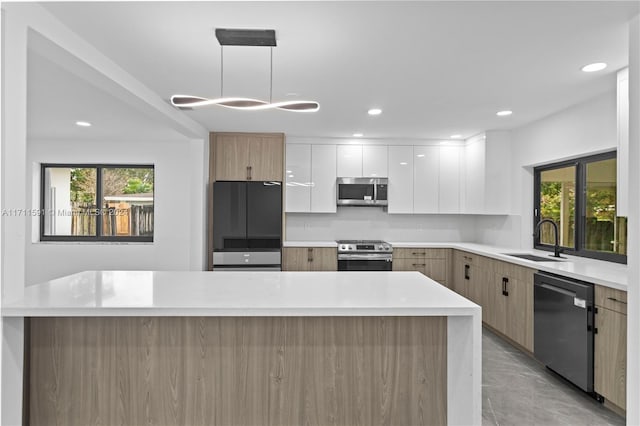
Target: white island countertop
(183,293)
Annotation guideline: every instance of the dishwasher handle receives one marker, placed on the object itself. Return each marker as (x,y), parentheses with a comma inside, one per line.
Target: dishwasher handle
(557,290)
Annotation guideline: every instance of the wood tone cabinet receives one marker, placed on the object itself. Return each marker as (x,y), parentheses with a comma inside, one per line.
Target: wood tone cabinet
(434,263)
(508,301)
(610,346)
(248,156)
(504,290)
(309,259)
(610,298)
(468,276)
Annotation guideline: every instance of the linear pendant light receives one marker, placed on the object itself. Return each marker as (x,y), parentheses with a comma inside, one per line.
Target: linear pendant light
(244,37)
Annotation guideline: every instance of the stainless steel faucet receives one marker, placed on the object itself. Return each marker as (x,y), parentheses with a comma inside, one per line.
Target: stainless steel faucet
(556,248)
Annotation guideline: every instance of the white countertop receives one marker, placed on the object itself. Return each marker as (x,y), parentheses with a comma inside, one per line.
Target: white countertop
(608,274)
(153,293)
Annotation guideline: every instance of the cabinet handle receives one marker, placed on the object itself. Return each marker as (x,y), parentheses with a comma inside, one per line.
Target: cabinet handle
(250,172)
(467,269)
(505,281)
(613,299)
(309,255)
(418,264)
(417,254)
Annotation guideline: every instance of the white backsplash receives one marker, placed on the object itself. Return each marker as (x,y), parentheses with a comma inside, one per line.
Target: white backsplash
(372,223)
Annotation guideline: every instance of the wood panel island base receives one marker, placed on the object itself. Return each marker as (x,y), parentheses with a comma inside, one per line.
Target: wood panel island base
(238,371)
(245,348)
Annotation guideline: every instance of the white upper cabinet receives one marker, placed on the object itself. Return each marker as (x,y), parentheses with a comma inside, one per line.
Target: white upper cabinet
(374,161)
(622,197)
(474,167)
(349,160)
(486,173)
(400,189)
(323,178)
(497,172)
(450,166)
(298,178)
(310,178)
(426,179)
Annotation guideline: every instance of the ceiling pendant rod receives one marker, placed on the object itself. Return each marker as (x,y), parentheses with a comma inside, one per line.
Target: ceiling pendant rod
(271,75)
(222,71)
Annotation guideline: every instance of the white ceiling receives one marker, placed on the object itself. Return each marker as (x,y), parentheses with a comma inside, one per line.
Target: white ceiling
(435,68)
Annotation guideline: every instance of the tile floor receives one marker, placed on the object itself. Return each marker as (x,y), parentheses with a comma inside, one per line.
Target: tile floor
(516,390)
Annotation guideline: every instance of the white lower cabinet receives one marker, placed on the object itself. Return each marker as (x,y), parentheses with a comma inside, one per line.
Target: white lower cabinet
(310,178)
(400,189)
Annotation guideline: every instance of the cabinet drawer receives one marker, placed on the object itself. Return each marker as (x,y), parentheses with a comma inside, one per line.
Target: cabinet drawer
(467,258)
(611,298)
(412,253)
(408,264)
(408,253)
(510,270)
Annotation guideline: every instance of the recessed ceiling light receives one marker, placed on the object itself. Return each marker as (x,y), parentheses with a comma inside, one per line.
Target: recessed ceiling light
(597,66)
(456,136)
(290,176)
(374,111)
(404,163)
(504,113)
(83,124)
(289,171)
(357,135)
(420,155)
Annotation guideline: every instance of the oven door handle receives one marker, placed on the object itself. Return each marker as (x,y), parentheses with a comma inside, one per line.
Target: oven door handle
(363,257)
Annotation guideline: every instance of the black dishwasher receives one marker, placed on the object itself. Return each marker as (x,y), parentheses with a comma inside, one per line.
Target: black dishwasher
(563,327)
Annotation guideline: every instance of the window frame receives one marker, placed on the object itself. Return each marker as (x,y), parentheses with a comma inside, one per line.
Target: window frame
(580,207)
(99,198)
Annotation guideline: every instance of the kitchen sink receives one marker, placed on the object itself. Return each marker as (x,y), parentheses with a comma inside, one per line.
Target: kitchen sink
(533,257)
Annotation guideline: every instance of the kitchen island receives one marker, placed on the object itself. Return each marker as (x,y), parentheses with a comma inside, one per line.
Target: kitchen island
(243,348)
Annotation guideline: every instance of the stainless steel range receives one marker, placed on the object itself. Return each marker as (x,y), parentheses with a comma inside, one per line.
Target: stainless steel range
(362,255)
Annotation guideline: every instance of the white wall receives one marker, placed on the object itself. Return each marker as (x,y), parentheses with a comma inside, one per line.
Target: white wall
(582,129)
(373,223)
(178,207)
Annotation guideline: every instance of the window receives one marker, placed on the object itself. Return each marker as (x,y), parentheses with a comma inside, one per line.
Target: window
(88,202)
(580,197)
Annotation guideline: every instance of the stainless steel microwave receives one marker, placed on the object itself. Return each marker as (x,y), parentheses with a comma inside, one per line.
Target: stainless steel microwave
(362,191)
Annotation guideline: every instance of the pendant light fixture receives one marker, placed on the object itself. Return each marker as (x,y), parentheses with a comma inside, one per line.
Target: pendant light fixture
(244,37)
